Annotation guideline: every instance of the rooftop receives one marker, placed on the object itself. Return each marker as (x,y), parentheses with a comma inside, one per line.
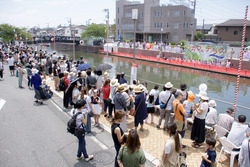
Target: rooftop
(233,22)
(206,27)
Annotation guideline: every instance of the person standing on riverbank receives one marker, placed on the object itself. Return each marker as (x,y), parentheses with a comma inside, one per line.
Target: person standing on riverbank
(37,82)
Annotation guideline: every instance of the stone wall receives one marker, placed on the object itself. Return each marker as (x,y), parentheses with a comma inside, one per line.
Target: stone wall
(69,46)
(148,52)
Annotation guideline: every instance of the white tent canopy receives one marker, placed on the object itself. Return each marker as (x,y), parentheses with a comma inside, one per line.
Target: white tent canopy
(110,47)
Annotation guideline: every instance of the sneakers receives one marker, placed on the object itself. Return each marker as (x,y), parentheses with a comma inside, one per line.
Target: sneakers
(158,127)
(79,158)
(89,158)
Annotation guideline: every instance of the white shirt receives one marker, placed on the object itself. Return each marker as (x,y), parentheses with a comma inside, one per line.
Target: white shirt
(163,98)
(54,57)
(88,100)
(126,96)
(225,121)
(244,160)
(155,93)
(203,106)
(1,65)
(188,106)
(99,82)
(43,62)
(211,116)
(75,93)
(237,133)
(11,61)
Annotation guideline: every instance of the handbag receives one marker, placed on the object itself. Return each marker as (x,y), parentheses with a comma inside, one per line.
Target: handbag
(108,99)
(133,111)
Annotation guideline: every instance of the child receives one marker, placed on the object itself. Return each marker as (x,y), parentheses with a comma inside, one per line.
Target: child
(210,157)
(188,106)
(95,101)
(150,108)
(91,91)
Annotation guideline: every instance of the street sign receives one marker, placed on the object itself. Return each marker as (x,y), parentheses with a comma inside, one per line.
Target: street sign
(119,38)
(133,73)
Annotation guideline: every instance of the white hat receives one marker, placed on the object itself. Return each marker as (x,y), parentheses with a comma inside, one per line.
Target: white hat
(168,85)
(106,74)
(203,95)
(95,90)
(113,82)
(212,103)
(34,71)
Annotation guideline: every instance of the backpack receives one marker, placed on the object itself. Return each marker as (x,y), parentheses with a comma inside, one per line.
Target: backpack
(71,125)
(62,86)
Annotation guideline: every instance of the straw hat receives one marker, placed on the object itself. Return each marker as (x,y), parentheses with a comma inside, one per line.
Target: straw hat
(120,88)
(168,85)
(203,95)
(191,97)
(83,74)
(106,74)
(126,87)
(212,103)
(137,89)
(113,82)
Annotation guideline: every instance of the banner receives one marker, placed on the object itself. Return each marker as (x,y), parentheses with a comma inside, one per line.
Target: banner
(205,52)
(133,73)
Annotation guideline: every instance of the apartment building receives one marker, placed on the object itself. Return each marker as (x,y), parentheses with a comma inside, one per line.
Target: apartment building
(172,23)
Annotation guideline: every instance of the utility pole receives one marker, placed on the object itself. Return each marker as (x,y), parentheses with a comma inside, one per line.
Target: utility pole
(73,43)
(203,29)
(192,37)
(107,16)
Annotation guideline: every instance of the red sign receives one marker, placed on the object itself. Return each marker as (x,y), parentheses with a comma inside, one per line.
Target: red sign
(148,45)
(134,65)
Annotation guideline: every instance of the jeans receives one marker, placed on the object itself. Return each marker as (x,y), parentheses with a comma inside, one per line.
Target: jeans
(166,114)
(88,126)
(65,99)
(46,70)
(106,105)
(20,80)
(117,148)
(111,108)
(82,147)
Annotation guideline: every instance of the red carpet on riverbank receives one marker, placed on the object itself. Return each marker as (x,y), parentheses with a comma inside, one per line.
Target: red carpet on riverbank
(211,68)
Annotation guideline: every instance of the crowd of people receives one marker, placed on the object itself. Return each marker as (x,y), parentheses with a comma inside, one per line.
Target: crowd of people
(92,93)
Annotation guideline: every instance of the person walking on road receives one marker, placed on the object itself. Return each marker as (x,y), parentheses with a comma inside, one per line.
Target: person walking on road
(81,121)
(20,75)
(37,82)
(66,95)
(1,69)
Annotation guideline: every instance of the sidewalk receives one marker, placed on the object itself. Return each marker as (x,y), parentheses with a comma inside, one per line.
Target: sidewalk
(153,141)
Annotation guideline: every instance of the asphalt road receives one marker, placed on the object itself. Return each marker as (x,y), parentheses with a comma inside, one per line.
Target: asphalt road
(33,135)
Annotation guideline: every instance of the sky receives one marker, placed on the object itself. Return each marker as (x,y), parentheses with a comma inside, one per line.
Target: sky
(51,13)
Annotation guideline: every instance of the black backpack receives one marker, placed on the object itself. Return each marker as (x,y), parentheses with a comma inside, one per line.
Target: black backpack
(71,125)
(62,86)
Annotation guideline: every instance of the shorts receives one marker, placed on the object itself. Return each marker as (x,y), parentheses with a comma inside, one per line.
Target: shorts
(12,67)
(56,79)
(150,110)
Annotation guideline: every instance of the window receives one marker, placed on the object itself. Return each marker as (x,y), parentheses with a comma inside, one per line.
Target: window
(176,13)
(184,25)
(176,26)
(187,25)
(168,13)
(140,26)
(158,13)
(155,25)
(175,38)
(184,13)
(118,32)
(167,25)
(166,37)
(128,14)
(158,25)
(155,13)
(141,14)
(138,14)
(241,29)
(118,10)
(161,13)
(161,25)
(118,21)
(226,28)
(235,32)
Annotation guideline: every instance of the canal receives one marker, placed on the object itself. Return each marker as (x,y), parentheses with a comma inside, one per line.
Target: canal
(220,87)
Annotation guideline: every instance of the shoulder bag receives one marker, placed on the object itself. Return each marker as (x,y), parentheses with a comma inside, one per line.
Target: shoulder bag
(162,105)
(133,111)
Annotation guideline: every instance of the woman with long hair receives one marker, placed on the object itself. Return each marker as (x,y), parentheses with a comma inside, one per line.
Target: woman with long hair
(172,147)
(117,132)
(105,96)
(131,155)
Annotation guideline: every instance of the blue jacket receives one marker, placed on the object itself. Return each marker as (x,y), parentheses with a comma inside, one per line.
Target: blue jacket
(36,81)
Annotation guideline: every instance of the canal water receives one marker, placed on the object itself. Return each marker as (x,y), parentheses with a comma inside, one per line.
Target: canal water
(221,87)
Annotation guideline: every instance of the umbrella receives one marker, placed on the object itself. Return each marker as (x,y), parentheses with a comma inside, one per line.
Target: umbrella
(83,67)
(103,67)
(71,86)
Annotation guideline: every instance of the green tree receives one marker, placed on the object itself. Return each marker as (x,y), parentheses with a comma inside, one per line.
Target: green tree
(94,31)
(113,30)
(198,36)
(8,32)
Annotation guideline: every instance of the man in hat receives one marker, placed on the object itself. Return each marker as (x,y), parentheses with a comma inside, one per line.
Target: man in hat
(123,80)
(226,120)
(165,96)
(37,82)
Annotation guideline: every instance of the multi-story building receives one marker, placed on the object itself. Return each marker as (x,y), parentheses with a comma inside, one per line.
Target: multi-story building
(172,23)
